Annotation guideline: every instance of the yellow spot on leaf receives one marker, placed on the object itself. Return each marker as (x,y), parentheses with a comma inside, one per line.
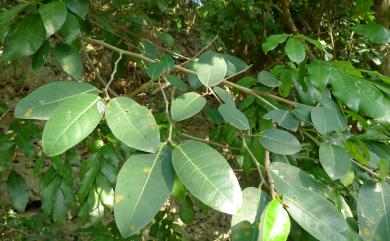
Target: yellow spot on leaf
(28,112)
(119,198)
(42,102)
(147,169)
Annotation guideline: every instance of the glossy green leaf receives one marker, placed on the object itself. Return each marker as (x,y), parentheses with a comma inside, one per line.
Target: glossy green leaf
(177,82)
(325,120)
(295,176)
(224,96)
(280,142)
(345,88)
(211,68)
(295,50)
(273,41)
(340,117)
(187,105)
(18,191)
(376,33)
(79,7)
(69,60)
(70,31)
(207,175)
(42,102)
(24,38)
(133,124)
(71,122)
(245,221)
(186,213)
(275,223)
(234,116)
(373,209)
(335,160)
(268,79)
(144,184)
(40,57)
(319,73)
(383,169)
(7,17)
(53,15)
(286,80)
(313,212)
(284,119)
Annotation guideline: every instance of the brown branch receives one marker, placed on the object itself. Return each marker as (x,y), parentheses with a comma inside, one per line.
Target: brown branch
(267,163)
(287,19)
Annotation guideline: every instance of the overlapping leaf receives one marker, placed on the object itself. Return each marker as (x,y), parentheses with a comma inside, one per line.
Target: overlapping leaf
(280,142)
(234,116)
(211,68)
(187,105)
(53,15)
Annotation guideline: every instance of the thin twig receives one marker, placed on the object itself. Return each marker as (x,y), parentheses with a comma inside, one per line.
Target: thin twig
(113,74)
(201,51)
(267,163)
(216,97)
(169,139)
(311,137)
(255,162)
(208,141)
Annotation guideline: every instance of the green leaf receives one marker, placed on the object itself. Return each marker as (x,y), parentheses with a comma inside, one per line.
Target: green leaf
(144,184)
(273,41)
(195,164)
(133,124)
(280,142)
(167,38)
(78,7)
(345,88)
(40,57)
(315,42)
(284,119)
(233,64)
(6,18)
(374,32)
(295,50)
(335,160)
(325,120)
(234,116)
(268,79)
(341,120)
(59,208)
(24,39)
(177,82)
(71,122)
(186,213)
(319,73)
(275,223)
(18,191)
(383,169)
(245,220)
(70,31)
(313,212)
(155,70)
(286,80)
(187,105)
(295,177)
(42,102)
(373,211)
(53,15)
(224,96)
(303,112)
(69,60)
(167,62)
(211,68)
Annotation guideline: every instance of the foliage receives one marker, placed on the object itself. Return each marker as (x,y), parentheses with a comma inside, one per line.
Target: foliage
(313,123)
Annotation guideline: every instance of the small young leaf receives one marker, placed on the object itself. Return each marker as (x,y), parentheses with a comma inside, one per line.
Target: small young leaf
(211,68)
(69,60)
(195,164)
(295,50)
(275,223)
(273,41)
(303,112)
(53,15)
(167,38)
(383,168)
(187,105)
(234,116)
(268,79)
(280,142)
(18,190)
(186,211)
(155,70)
